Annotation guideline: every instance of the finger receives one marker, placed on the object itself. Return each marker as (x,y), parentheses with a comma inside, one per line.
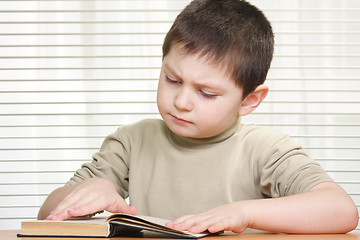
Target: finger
(226,225)
(194,224)
(64,214)
(203,223)
(72,201)
(81,212)
(178,223)
(218,226)
(68,202)
(58,217)
(83,208)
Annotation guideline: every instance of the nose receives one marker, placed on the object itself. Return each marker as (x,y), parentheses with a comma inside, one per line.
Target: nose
(183,100)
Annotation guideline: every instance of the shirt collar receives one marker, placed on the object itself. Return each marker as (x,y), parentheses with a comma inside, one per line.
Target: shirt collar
(197,142)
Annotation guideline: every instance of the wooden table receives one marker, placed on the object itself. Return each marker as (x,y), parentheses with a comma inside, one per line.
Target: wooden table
(11,235)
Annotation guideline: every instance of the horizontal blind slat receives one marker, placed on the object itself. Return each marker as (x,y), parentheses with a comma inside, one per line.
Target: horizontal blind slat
(74,71)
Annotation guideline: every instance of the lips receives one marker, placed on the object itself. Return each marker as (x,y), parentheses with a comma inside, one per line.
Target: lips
(180,120)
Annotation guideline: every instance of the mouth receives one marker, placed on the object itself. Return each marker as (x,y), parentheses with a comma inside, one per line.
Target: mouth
(180,120)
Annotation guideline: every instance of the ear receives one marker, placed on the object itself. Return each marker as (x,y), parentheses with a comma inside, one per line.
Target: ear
(253,100)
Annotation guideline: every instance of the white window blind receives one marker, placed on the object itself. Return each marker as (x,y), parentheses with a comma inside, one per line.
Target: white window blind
(72,71)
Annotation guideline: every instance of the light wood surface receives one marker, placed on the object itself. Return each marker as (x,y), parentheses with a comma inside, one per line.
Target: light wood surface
(11,235)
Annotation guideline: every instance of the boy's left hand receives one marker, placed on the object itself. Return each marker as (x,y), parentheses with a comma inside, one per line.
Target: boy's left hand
(325,208)
(229,217)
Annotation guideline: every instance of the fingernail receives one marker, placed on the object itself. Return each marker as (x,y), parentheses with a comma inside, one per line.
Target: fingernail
(51,216)
(170,224)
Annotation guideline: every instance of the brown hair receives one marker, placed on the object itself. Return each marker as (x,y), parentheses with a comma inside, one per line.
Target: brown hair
(233,33)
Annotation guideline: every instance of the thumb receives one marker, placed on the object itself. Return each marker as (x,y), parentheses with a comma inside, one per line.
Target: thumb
(121,206)
(130,210)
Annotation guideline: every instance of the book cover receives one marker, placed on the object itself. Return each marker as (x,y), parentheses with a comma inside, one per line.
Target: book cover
(112,226)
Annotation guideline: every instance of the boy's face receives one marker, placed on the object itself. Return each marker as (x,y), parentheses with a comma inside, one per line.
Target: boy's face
(196,98)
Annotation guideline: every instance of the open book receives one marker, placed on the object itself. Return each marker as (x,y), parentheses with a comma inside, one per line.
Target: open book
(113,226)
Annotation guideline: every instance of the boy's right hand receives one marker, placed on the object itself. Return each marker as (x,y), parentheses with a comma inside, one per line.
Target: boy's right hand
(91,196)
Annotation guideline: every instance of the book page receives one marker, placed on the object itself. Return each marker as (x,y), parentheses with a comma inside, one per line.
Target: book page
(149,223)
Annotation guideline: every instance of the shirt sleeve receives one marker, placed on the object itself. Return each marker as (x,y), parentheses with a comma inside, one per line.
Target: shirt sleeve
(110,162)
(288,170)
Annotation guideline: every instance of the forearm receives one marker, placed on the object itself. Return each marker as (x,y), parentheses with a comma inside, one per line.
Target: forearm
(322,210)
(84,199)
(53,200)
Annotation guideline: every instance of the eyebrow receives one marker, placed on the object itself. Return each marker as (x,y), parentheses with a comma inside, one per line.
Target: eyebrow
(171,70)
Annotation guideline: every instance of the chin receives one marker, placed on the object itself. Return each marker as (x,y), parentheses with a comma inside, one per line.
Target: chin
(182,132)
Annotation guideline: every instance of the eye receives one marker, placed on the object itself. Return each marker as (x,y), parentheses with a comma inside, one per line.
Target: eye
(208,95)
(172,81)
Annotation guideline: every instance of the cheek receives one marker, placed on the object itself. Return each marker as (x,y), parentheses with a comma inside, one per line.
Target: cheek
(221,111)
(162,97)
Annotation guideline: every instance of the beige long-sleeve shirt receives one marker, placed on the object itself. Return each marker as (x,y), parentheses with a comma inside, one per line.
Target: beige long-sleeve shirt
(167,176)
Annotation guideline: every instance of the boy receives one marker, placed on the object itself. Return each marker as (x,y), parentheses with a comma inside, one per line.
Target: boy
(200,165)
